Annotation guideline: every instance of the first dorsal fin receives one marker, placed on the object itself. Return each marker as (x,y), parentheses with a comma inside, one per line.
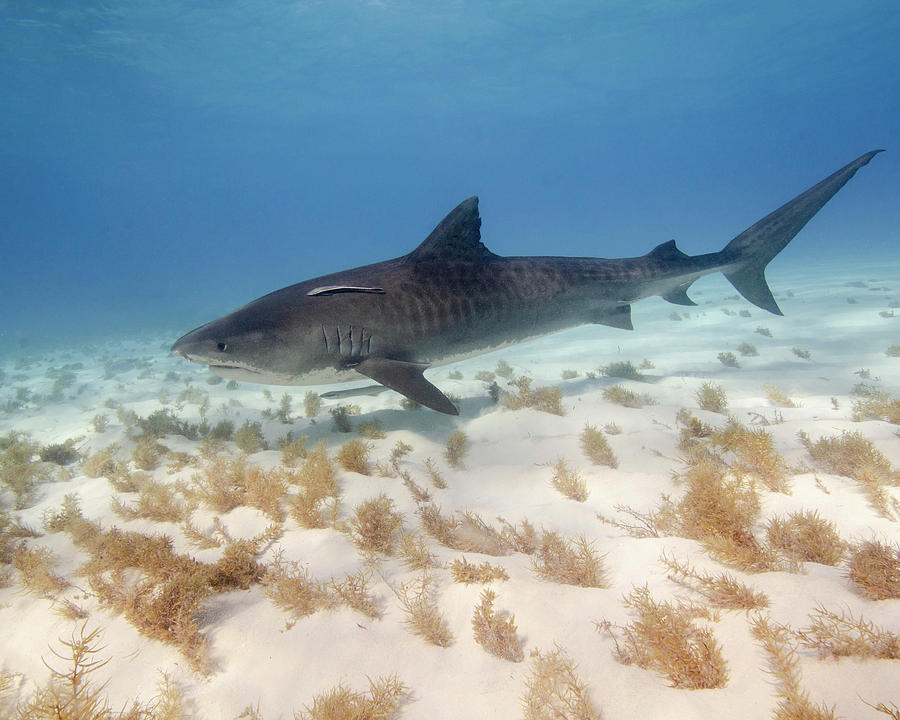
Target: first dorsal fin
(457,237)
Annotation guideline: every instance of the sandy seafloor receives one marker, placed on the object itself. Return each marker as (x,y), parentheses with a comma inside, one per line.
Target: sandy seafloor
(259,660)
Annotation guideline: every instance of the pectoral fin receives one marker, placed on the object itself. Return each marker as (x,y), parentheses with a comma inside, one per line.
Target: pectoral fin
(407,379)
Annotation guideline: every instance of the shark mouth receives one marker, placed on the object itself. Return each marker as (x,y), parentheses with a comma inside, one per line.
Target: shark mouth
(228,368)
(235,372)
(260,377)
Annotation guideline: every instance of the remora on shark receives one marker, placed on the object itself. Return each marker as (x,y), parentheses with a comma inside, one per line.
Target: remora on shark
(452,298)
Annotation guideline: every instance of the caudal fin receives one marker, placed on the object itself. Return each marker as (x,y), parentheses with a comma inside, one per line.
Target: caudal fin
(751,251)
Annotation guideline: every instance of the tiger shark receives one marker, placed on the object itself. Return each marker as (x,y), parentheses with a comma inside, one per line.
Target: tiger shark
(452,298)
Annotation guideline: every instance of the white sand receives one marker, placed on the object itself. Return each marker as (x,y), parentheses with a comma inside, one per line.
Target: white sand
(259,660)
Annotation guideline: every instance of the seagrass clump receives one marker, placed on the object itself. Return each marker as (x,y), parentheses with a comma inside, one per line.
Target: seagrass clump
(620,395)
(873,404)
(312,404)
(665,637)
(72,694)
(382,701)
(854,456)
(418,598)
(462,571)
(777,397)
(554,690)
(414,553)
(496,631)
(837,635)
(694,433)
(36,566)
(712,398)
(722,591)
(571,562)
(569,481)
(545,399)
(292,588)
(374,525)
(226,483)
(807,536)
(157,500)
(466,532)
(19,471)
(728,359)
(159,591)
(596,447)
(353,455)
(318,490)
(793,700)
(622,369)
(754,454)
(456,448)
(148,452)
(720,512)
(874,567)
(292,449)
(249,437)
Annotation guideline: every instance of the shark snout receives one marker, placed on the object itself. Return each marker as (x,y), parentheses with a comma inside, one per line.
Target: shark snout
(189,347)
(206,348)
(179,348)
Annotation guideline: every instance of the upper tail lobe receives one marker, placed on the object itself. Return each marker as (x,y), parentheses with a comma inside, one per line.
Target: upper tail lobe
(751,251)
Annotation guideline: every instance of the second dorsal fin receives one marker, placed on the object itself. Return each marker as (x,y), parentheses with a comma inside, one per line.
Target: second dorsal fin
(666,251)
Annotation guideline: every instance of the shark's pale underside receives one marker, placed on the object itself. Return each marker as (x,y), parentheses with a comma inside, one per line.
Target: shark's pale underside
(452,298)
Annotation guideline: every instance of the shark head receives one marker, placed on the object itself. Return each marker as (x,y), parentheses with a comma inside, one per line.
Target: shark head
(251,345)
(379,321)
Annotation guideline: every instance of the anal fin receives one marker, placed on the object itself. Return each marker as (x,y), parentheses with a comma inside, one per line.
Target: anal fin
(407,379)
(617,317)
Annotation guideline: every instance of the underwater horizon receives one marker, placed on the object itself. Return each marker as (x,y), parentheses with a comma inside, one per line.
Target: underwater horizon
(166,163)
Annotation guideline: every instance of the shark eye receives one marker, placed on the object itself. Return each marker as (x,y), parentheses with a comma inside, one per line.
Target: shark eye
(222,347)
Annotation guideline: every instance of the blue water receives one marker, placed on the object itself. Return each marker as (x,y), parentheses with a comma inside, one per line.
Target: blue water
(164,162)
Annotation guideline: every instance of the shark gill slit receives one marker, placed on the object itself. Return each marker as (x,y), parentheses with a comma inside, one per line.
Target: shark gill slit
(357,340)
(345,335)
(333,339)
